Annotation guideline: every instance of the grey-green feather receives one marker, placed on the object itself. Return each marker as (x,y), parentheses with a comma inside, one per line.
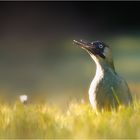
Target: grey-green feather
(109,91)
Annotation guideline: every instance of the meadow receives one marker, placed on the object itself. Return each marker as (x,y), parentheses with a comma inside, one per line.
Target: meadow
(38,59)
(77,121)
(58,106)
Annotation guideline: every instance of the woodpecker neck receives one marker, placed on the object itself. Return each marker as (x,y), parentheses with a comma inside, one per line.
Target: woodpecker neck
(102,65)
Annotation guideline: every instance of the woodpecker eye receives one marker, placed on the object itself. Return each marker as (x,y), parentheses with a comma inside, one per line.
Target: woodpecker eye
(100,46)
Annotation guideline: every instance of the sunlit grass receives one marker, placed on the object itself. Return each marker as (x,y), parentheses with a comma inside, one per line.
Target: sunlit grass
(77,121)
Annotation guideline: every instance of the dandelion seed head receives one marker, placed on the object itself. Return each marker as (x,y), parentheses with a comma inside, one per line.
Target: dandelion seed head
(23,98)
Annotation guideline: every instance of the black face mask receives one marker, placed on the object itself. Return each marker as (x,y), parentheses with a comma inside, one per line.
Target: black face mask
(97,48)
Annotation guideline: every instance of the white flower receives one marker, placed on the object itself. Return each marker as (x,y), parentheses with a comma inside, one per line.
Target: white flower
(23,98)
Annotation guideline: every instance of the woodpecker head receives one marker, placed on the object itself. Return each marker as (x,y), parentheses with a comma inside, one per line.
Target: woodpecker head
(98,50)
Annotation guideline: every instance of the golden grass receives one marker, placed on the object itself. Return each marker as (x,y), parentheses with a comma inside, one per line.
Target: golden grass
(78,121)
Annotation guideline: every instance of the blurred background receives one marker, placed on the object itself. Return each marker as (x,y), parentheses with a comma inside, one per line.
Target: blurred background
(37,55)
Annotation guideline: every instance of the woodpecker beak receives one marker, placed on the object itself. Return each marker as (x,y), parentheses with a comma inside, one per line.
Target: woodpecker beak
(90,47)
(83,44)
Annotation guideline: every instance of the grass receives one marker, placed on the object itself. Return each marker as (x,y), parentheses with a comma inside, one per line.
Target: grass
(77,121)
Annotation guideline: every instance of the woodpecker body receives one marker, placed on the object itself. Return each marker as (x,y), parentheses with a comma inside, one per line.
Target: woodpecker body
(107,90)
